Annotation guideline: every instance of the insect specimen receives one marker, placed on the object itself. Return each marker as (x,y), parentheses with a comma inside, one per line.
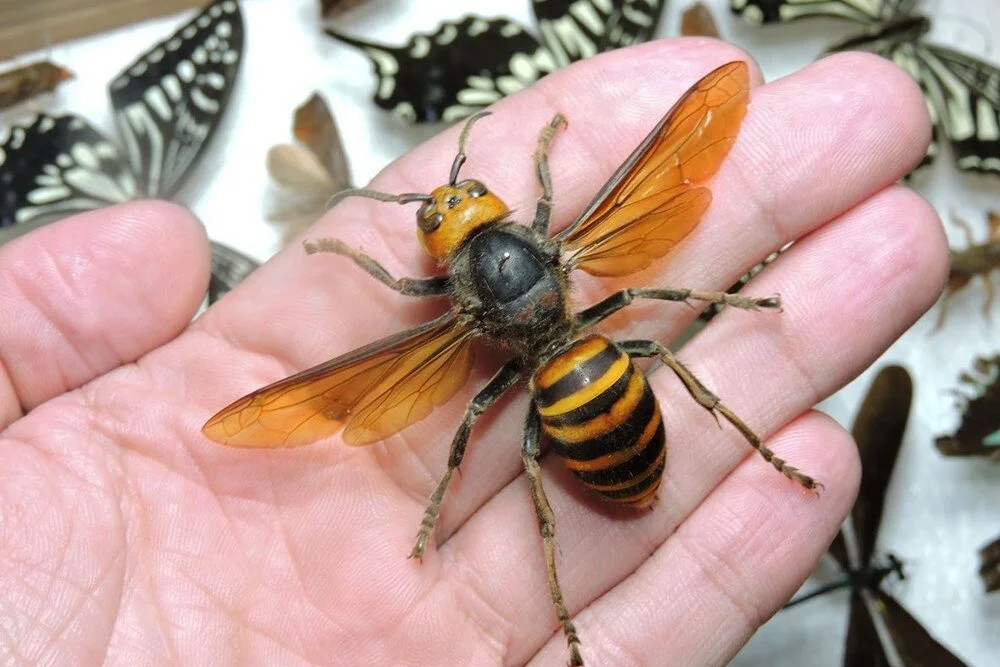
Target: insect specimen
(331,8)
(25,82)
(312,170)
(979,432)
(697,21)
(167,104)
(880,631)
(978,259)
(989,568)
(508,282)
(962,92)
(467,64)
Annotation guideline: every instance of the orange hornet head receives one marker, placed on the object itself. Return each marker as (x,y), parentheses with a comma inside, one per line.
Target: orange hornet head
(449,213)
(452,213)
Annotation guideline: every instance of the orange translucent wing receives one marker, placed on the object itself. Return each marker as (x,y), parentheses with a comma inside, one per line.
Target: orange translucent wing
(376,391)
(652,201)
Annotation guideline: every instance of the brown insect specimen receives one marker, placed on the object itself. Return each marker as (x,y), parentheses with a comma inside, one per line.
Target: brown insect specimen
(976,260)
(989,568)
(311,171)
(331,8)
(697,21)
(25,82)
(509,283)
(880,630)
(979,432)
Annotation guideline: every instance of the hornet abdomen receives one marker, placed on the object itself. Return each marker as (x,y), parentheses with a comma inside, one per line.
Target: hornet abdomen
(603,419)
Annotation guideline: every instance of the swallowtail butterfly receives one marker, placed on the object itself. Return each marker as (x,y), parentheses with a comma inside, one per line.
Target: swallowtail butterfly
(166,105)
(962,92)
(467,64)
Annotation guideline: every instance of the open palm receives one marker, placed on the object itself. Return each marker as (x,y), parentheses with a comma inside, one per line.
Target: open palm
(127,536)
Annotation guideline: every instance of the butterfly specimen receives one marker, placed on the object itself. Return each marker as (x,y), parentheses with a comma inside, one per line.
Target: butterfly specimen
(880,631)
(989,568)
(166,104)
(25,82)
(468,64)
(979,432)
(311,171)
(977,259)
(962,92)
(509,283)
(697,21)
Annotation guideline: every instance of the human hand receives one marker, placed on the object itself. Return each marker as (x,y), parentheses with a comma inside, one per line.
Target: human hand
(130,537)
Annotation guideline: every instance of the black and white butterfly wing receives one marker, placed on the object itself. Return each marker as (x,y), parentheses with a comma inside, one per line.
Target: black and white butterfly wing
(964,93)
(168,102)
(458,69)
(56,166)
(780,11)
(577,29)
(229,268)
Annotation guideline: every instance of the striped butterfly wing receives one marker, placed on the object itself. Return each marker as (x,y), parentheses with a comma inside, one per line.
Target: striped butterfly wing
(577,29)
(965,94)
(371,393)
(460,68)
(780,11)
(656,196)
(56,166)
(169,101)
(229,268)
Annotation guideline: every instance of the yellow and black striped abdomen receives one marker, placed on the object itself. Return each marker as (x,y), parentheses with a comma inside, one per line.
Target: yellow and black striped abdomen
(603,418)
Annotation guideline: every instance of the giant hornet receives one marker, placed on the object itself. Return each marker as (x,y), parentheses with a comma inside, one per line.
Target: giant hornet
(510,282)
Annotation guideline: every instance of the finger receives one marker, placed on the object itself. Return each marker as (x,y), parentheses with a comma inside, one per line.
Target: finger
(92,292)
(852,287)
(729,566)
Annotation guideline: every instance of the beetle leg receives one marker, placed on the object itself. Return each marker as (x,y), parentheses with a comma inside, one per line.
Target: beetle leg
(612,304)
(530,452)
(543,209)
(426,287)
(481,402)
(709,401)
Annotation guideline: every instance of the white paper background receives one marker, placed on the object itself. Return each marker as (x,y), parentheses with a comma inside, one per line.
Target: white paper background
(939,511)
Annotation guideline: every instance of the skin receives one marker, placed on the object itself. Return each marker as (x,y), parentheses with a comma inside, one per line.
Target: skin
(128,537)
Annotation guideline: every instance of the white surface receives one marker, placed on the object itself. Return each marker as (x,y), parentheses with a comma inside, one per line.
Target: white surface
(939,511)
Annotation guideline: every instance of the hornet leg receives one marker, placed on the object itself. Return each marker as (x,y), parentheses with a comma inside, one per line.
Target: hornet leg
(487,396)
(709,401)
(547,525)
(612,304)
(543,209)
(429,287)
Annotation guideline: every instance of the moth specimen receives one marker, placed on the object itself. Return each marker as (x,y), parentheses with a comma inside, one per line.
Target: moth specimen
(310,171)
(697,21)
(962,92)
(880,631)
(508,282)
(468,64)
(167,105)
(23,83)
